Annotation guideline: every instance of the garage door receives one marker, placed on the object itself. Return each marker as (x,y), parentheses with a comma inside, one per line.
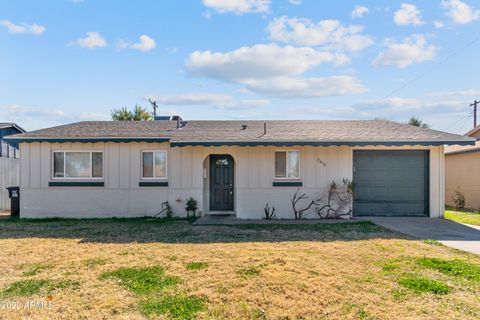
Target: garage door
(390,183)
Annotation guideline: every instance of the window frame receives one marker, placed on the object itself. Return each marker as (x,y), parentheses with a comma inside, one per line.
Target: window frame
(166,165)
(286,165)
(65,165)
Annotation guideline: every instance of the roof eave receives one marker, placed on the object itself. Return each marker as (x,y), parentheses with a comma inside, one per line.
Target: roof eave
(85,140)
(323,143)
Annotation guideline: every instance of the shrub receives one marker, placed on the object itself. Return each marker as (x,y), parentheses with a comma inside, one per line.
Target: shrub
(459,200)
(192,206)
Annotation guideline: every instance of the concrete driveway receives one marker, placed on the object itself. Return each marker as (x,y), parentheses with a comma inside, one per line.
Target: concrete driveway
(452,234)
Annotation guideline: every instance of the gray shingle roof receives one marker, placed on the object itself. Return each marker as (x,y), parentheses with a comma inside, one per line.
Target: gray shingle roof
(231,131)
(4,125)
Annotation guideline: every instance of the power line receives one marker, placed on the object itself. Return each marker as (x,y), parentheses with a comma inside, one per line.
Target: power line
(421,75)
(460,119)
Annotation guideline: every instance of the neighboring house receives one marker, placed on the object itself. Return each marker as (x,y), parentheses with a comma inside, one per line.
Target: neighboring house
(462,171)
(128,168)
(9,162)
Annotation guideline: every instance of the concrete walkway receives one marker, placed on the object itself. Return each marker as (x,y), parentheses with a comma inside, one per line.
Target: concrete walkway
(452,234)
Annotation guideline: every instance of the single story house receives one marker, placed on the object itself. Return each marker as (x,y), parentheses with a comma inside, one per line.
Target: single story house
(128,168)
(462,171)
(9,162)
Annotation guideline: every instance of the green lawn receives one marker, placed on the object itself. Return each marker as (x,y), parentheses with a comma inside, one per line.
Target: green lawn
(171,269)
(464,216)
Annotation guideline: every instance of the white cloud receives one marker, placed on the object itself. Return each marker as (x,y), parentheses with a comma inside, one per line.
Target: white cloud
(409,106)
(144,44)
(258,61)
(220,101)
(22,28)
(328,33)
(295,2)
(92,40)
(291,87)
(460,12)
(171,50)
(273,70)
(35,118)
(413,49)
(439,24)
(460,93)
(238,7)
(192,98)
(359,11)
(408,14)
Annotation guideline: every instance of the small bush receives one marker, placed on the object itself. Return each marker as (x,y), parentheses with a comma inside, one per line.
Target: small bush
(424,285)
(33,286)
(177,307)
(192,206)
(249,272)
(457,268)
(142,280)
(196,265)
(459,200)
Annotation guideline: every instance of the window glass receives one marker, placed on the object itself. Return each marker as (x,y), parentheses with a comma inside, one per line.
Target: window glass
(97,164)
(148,164)
(160,165)
(293,169)
(58,165)
(77,164)
(280,164)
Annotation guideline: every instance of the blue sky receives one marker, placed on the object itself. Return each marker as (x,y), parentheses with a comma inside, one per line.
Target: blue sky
(72,60)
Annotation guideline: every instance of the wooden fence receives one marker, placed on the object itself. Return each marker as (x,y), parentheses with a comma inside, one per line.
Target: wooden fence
(9,177)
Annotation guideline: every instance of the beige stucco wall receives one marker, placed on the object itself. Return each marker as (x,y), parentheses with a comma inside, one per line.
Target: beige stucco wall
(462,172)
(254,171)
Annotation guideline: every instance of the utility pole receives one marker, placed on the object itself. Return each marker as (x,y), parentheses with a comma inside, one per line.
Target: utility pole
(474,105)
(154,106)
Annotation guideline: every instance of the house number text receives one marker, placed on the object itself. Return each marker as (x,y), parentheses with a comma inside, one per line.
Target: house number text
(323,163)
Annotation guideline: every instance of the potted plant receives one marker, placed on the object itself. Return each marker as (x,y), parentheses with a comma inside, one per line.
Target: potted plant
(192,206)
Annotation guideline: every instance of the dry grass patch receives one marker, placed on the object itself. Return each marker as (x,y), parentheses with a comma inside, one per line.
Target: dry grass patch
(196,265)
(326,271)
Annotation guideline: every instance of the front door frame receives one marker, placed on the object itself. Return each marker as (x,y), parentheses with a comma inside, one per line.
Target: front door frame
(231,206)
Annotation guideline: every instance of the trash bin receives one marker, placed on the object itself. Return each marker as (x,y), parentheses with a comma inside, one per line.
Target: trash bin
(14,195)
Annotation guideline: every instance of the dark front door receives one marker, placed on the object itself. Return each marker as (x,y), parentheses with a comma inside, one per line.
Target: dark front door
(221,183)
(391,183)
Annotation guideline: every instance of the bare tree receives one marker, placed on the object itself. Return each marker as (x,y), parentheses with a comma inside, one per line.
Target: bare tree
(343,196)
(269,212)
(300,213)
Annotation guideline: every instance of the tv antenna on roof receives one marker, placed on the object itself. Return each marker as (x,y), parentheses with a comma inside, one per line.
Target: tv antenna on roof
(154,106)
